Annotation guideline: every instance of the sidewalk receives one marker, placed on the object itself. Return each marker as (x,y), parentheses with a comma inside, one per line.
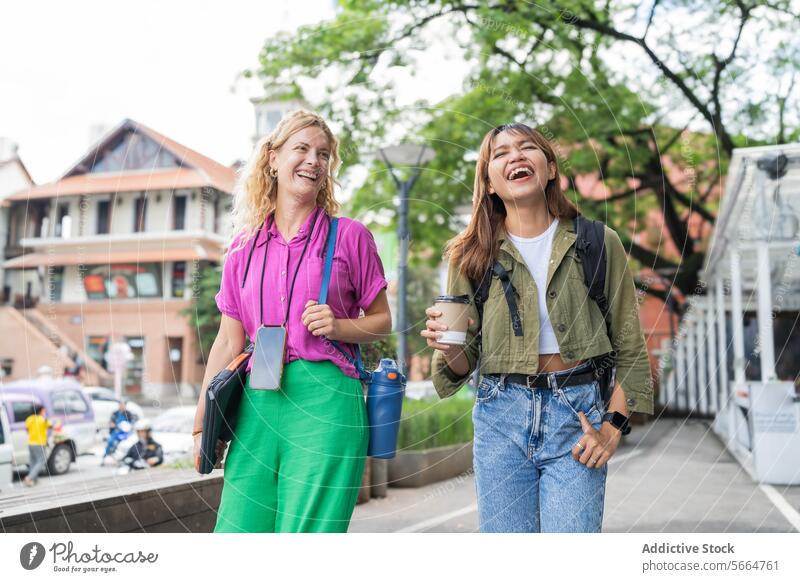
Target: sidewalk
(673,476)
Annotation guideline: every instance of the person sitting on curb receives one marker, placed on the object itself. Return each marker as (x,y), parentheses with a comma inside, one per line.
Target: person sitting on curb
(146,452)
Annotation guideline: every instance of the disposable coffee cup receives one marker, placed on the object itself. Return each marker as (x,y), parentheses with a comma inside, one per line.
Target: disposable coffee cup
(454,310)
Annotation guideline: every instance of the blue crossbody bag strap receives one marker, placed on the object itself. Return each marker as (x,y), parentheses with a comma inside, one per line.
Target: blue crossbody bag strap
(330,245)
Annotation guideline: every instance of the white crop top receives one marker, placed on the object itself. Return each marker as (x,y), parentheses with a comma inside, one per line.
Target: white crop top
(536,254)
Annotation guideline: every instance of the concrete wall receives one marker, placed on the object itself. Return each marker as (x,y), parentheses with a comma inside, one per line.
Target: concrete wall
(27,347)
(155,321)
(180,501)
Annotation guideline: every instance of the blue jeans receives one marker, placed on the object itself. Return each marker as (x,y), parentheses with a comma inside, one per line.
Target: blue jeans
(526,478)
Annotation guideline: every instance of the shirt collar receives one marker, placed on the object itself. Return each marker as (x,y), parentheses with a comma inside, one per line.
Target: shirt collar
(302,233)
(563,239)
(564,225)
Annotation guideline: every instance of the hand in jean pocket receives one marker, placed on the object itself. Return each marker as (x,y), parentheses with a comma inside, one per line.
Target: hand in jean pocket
(595,447)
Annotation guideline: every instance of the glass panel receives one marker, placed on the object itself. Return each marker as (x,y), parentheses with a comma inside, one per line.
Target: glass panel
(179,278)
(140,215)
(56,283)
(123,281)
(135,372)
(60,403)
(22,410)
(179,217)
(74,402)
(96,348)
(134,151)
(103,216)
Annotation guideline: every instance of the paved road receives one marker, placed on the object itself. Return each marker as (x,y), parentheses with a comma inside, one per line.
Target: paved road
(672,476)
(675,477)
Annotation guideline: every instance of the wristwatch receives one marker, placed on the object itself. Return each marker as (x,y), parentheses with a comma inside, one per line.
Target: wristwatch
(618,420)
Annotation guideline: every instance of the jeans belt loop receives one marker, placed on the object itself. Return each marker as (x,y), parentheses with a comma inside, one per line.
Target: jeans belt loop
(551,381)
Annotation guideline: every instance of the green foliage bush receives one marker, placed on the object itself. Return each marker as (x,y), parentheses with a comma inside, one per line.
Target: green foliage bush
(426,424)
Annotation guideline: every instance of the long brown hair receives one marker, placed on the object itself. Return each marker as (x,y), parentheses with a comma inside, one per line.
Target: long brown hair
(474,249)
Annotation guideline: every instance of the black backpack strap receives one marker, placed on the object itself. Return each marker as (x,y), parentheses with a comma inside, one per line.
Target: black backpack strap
(591,249)
(482,294)
(482,291)
(511,299)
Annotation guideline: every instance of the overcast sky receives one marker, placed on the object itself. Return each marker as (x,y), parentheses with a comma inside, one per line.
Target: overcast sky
(65,66)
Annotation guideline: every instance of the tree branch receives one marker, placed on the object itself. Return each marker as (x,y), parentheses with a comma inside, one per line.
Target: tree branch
(650,18)
(719,130)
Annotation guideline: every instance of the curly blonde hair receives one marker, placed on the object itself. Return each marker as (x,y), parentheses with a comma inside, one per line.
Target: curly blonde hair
(256,193)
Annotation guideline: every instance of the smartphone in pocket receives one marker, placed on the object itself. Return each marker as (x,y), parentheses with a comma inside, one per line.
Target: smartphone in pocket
(268,355)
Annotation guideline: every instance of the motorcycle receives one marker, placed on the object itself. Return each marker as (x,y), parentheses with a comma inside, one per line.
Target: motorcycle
(121,432)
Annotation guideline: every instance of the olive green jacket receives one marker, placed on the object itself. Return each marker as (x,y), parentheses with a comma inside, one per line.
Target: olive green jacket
(577,321)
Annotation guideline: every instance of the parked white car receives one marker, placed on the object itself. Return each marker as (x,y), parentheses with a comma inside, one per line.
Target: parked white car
(173,431)
(6,453)
(105,403)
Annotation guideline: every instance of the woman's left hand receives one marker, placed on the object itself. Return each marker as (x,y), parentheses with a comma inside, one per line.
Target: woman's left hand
(596,447)
(319,320)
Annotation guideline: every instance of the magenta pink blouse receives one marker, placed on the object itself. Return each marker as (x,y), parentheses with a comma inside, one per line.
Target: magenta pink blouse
(356,279)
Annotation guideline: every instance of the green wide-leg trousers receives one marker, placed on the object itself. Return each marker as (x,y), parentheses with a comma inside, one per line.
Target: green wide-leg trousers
(296,462)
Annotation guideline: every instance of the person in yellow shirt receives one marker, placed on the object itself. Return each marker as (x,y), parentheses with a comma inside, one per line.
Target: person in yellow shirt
(37,426)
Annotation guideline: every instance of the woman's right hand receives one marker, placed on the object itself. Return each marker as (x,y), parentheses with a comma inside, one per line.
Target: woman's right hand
(433,329)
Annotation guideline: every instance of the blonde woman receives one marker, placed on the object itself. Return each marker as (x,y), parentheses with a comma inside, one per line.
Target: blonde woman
(543,435)
(296,461)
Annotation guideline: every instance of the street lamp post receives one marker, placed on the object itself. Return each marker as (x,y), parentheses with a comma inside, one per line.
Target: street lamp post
(416,157)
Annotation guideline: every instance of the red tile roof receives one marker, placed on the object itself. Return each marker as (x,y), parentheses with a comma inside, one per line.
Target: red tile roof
(197,171)
(103,183)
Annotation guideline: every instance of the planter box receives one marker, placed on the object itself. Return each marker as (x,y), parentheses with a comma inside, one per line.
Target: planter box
(418,468)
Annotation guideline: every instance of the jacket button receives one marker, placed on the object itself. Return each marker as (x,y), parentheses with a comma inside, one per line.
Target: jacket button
(631,401)
(551,294)
(562,328)
(569,355)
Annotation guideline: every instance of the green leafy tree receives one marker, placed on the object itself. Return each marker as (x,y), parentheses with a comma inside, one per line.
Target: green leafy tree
(203,314)
(622,89)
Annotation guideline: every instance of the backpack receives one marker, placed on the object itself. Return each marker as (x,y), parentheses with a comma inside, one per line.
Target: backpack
(590,247)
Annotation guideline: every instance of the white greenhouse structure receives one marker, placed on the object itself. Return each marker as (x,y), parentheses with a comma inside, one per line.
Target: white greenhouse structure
(718,364)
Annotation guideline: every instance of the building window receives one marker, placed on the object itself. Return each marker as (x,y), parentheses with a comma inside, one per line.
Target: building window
(96,348)
(6,367)
(104,217)
(179,279)
(134,378)
(139,214)
(63,221)
(56,283)
(126,281)
(179,213)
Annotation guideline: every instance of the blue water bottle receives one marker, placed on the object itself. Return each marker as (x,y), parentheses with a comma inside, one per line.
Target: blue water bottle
(384,404)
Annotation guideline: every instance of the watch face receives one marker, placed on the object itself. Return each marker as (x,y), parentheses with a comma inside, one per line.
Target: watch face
(618,420)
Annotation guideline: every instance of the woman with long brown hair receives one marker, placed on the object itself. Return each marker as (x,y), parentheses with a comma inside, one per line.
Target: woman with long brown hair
(543,431)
